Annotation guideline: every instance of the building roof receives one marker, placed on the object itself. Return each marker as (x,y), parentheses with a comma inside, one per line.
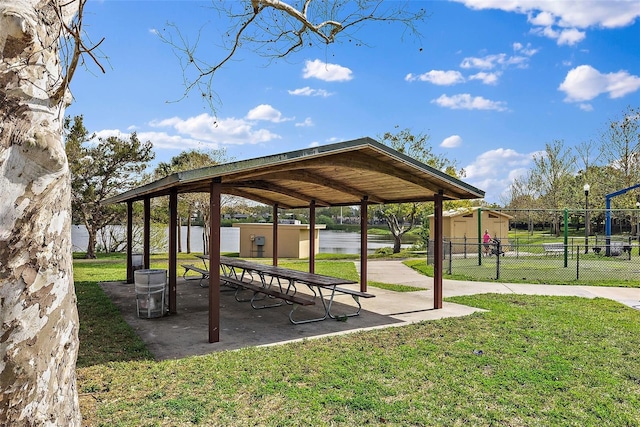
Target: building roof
(338,174)
(467,211)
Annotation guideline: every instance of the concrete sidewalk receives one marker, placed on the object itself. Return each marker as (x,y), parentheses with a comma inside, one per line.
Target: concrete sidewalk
(394,271)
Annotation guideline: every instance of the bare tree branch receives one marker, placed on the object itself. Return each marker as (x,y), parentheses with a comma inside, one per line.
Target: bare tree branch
(74,32)
(276,29)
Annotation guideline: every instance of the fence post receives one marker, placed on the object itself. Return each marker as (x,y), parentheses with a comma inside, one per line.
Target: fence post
(479,236)
(498,251)
(450,255)
(578,263)
(465,246)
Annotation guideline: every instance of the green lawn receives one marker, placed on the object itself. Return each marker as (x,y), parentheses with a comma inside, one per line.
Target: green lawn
(587,270)
(528,361)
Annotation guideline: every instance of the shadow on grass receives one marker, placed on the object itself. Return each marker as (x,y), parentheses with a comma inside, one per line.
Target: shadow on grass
(104,334)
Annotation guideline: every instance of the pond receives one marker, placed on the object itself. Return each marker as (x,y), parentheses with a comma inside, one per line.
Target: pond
(331,241)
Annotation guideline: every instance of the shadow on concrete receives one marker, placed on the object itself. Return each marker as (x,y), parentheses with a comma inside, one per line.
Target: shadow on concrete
(186,333)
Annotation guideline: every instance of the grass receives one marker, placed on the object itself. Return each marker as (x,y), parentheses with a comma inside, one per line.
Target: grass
(593,271)
(528,360)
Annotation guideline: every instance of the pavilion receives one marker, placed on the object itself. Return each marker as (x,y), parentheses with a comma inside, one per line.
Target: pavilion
(358,172)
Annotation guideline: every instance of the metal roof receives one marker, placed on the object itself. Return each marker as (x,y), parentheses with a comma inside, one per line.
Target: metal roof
(338,174)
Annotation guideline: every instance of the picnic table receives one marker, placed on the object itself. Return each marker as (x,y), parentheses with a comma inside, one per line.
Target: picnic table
(273,286)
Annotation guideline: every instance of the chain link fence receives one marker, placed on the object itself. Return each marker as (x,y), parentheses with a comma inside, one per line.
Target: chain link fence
(551,247)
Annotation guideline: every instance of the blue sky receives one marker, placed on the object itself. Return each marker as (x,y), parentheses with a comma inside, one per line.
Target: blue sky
(491,82)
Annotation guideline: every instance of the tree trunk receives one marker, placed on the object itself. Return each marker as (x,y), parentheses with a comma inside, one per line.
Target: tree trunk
(397,241)
(91,244)
(39,332)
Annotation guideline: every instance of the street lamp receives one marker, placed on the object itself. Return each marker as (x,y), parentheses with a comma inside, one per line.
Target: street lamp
(586,218)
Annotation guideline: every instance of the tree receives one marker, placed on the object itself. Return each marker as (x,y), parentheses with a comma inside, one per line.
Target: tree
(551,177)
(190,203)
(621,150)
(39,335)
(277,29)
(403,217)
(100,171)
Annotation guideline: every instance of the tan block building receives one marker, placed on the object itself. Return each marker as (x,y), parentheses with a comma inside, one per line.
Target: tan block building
(256,240)
(461,226)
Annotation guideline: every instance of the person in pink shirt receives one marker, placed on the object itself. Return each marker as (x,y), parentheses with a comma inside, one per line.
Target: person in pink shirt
(486,240)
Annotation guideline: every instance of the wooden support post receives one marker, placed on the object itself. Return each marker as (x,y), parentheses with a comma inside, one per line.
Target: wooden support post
(173,251)
(214,260)
(130,241)
(312,237)
(364,220)
(275,235)
(146,245)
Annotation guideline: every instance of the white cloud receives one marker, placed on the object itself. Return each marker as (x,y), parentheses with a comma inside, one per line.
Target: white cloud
(465,101)
(502,60)
(452,141)
(160,140)
(486,78)
(570,37)
(487,63)
(326,72)
(306,123)
(494,171)
(525,50)
(563,20)
(207,130)
(267,113)
(497,162)
(585,83)
(437,77)
(307,91)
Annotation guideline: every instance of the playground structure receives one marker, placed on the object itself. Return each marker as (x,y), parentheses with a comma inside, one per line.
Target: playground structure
(608,198)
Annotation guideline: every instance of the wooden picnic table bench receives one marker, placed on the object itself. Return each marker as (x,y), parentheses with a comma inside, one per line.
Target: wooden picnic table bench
(257,289)
(204,273)
(269,280)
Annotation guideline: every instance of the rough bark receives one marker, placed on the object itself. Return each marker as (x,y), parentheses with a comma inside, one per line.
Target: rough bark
(38,315)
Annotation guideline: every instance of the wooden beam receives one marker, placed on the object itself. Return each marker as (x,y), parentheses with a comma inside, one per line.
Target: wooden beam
(276,188)
(316,178)
(360,161)
(254,197)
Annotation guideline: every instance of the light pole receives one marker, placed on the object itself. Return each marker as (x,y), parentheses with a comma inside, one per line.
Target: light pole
(586,218)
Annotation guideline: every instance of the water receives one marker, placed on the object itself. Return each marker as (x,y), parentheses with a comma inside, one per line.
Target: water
(336,242)
(344,242)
